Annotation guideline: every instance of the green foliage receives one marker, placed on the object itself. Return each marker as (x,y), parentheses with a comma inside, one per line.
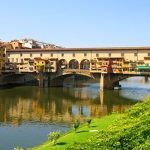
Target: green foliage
(132,131)
(54,136)
(76,125)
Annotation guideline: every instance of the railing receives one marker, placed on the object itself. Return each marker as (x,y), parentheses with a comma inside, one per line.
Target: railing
(76,71)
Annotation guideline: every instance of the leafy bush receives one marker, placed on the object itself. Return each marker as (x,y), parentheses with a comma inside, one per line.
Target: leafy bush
(89,120)
(130,132)
(54,136)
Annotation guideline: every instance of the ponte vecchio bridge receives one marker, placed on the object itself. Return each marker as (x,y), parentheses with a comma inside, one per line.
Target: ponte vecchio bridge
(52,66)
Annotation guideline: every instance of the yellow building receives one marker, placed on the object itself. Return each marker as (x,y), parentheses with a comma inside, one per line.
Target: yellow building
(39,64)
(16,44)
(2,58)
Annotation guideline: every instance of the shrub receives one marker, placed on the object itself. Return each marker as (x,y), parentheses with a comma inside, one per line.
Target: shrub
(54,136)
(89,120)
(76,125)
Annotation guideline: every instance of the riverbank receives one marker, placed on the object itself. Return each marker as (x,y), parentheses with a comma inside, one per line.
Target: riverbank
(82,134)
(130,130)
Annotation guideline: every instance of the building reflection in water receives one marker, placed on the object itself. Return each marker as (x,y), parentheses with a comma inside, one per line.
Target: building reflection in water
(31,104)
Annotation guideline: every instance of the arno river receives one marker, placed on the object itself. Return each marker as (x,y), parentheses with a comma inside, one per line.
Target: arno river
(28,113)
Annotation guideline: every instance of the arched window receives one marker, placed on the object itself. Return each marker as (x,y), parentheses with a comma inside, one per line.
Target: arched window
(85,64)
(74,64)
(62,64)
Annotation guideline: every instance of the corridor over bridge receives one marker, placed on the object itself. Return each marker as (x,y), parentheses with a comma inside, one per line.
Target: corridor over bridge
(110,64)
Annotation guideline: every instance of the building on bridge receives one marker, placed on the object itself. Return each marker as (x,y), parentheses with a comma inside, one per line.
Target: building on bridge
(2,58)
(79,58)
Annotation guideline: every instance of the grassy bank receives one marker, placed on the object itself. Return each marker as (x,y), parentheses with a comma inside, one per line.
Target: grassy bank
(128,131)
(82,134)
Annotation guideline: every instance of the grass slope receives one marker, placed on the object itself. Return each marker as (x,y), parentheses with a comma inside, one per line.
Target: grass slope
(130,132)
(82,134)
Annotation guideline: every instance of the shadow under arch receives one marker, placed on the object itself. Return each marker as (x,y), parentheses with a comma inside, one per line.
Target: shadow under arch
(116,78)
(59,80)
(73,64)
(85,64)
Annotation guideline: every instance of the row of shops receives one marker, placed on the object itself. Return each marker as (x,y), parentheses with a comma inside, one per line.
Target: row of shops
(45,65)
(97,65)
(119,65)
(32,65)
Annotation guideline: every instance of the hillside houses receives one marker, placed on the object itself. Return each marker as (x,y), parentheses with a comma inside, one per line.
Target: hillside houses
(27,44)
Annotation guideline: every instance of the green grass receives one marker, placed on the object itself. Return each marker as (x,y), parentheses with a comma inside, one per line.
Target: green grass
(82,135)
(130,132)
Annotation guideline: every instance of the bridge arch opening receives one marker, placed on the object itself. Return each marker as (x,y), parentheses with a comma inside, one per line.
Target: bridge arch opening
(85,64)
(62,64)
(73,64)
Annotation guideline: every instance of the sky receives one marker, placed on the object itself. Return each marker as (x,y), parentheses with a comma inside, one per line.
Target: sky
(77,23)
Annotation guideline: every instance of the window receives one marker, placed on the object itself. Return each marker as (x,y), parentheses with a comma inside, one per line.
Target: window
(20,54)
(30,54)
(97,55)
(41,54)
(148,54)
(85,54)
(62,55)
(135,54)
(16,59)
(8,55)
(122,54)
(109,54)
(73,54)
(51,54)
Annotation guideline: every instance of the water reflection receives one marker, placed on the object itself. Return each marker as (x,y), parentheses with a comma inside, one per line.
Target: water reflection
(31,104)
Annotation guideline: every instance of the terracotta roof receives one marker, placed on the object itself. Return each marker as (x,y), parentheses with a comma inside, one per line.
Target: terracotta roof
(82,49)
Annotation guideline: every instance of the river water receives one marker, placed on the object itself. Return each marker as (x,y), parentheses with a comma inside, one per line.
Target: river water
(28,113)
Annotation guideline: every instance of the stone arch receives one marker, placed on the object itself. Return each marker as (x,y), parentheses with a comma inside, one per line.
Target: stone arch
(85,64)
(73,64)
(62,63)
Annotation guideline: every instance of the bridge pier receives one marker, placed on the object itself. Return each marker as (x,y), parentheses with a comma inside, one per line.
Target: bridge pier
(107,82)
(146,79)
(43,80)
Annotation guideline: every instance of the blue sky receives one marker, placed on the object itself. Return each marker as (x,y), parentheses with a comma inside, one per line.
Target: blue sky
(77,23)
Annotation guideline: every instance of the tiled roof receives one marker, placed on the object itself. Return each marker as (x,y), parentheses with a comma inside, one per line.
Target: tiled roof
(82,49)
